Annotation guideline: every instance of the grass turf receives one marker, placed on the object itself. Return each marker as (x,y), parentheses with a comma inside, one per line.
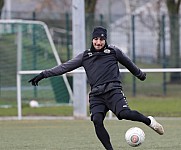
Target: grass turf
(79,135)
(157,106)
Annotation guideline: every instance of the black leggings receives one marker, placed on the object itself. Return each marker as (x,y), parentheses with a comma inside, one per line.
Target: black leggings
(101,132)
(134,115)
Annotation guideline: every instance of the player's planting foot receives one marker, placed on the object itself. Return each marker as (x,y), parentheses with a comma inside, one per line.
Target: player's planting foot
(156,126)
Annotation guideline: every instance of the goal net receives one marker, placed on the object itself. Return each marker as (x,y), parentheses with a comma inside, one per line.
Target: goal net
(26,49)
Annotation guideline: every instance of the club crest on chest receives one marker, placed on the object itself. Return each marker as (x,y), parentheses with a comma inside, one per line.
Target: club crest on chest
(107,51)
(89,54)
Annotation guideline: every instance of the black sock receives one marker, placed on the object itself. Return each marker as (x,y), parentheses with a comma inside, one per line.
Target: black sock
(134,115)
(101,132)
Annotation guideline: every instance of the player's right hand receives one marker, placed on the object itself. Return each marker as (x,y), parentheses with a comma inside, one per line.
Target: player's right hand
(34,81)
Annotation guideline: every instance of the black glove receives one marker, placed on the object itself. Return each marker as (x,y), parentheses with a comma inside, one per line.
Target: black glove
(34,81)
(141,75)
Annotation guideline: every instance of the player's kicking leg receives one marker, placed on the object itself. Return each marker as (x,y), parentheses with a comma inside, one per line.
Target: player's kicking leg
(156,126)
(136,116)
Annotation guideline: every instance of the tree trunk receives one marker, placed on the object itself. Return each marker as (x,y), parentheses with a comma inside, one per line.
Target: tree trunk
(1,6)
(175,47)
(89,19)
(173,9)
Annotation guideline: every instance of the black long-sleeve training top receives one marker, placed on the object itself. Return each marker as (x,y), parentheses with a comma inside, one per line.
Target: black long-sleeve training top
(101,67)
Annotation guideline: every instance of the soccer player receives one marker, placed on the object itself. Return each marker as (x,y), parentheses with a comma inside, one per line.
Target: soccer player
(101,66)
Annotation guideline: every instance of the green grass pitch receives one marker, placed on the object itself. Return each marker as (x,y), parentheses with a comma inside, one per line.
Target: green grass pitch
(80,135)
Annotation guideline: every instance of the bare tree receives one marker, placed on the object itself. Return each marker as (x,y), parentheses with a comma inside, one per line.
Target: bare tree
(46,4)
(90,6)
(1,6)
(150,18)
(173,11)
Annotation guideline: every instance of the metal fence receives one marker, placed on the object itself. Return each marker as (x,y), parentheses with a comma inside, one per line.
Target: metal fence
(147,40)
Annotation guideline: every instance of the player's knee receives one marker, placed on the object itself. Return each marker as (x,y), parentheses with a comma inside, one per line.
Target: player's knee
(123,114)
(98,119)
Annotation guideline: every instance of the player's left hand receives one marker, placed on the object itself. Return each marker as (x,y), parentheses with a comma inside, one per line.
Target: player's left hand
(34,81)
(141,75)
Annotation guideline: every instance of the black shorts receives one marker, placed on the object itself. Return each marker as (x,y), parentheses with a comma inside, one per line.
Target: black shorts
(113,100)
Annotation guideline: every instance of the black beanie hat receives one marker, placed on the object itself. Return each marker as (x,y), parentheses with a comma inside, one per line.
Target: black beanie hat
(99,32)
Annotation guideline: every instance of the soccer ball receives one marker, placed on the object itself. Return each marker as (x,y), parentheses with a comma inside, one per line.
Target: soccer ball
(134,136)
(34,104)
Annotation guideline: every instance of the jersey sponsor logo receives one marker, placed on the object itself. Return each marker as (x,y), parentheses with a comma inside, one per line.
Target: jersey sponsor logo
(107,51)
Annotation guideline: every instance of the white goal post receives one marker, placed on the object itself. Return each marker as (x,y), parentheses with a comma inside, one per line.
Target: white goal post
(19,57)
